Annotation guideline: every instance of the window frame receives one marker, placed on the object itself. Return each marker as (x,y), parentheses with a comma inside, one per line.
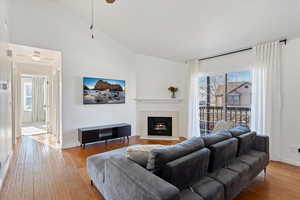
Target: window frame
(233,98)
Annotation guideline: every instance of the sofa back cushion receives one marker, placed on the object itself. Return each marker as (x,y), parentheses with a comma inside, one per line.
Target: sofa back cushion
(222,153)
(246,143)
(214,138)
(185,171)
(239,130)
(160,156)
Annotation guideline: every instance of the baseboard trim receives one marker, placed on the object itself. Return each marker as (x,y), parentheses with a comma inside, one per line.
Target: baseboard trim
(291,162)
(69,146)
(3,172)
(77,144)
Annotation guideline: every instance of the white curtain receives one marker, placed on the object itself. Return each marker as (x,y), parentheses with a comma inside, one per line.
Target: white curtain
(38,112)
(266,94)
(193,103)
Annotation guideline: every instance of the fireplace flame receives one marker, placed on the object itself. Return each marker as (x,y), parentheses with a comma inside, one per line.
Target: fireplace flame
(160,127)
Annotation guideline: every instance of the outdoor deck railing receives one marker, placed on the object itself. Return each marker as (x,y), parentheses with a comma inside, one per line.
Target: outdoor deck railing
(209,115)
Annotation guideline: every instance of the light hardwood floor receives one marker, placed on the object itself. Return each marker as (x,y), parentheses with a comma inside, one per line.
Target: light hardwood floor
(41,172)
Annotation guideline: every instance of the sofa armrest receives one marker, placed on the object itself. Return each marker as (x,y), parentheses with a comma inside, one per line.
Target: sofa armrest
(126,180)
(262,143)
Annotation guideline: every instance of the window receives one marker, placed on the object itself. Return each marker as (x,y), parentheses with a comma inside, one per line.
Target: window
(233,100)
(27,96)
(225,97)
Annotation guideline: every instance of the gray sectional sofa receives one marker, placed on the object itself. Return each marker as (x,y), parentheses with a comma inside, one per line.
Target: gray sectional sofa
(214,167)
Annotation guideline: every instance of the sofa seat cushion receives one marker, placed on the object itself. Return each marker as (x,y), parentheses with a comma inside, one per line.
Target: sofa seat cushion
(256,160)
(230,180)
(209,189)
(160,156)
(96,163)
(127,180)
(263,157)
(242,169)
(189,195)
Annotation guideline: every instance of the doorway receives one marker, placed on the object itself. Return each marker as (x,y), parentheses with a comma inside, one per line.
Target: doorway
(37,94)
(34,105)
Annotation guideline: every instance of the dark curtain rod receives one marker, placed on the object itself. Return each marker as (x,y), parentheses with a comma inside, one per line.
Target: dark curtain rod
(233,52)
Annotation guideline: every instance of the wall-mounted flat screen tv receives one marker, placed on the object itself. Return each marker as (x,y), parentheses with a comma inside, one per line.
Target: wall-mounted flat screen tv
(103,91)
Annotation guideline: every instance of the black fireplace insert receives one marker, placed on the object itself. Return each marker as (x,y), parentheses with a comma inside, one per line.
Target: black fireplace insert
(160,126)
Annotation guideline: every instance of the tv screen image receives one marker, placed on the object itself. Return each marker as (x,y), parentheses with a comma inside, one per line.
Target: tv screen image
(103,91)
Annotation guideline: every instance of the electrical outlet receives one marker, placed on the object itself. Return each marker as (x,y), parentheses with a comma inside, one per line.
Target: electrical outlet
(294,149)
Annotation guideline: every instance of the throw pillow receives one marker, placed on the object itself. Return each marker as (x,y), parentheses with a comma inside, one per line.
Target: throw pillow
(223,125)
(140,153)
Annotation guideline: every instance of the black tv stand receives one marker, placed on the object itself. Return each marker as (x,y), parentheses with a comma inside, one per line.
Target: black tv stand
(103,133)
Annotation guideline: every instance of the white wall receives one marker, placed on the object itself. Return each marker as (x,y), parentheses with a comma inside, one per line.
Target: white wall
(5,95)
(290,134)
(4,31)
(50,26)
(5,116)
(154,77)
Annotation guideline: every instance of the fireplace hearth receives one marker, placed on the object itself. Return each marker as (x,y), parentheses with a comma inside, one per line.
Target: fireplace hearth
(160,126)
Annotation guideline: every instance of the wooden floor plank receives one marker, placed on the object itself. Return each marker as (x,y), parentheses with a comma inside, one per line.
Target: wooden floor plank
(41,171)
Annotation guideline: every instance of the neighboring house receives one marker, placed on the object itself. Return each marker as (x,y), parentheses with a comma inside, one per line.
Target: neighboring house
(239,94)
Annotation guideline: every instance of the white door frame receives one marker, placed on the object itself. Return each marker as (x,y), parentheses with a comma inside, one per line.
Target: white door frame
(47,92)
(58,94)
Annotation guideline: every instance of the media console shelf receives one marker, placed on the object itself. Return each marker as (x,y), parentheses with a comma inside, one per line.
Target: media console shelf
(103,133)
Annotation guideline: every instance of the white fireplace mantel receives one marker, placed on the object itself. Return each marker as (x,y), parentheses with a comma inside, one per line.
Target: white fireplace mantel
(159,100)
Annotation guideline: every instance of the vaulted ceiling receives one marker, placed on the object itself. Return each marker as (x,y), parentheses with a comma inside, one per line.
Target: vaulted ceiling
(186,29)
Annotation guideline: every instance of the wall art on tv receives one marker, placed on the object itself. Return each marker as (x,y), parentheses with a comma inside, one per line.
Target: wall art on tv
(103,91)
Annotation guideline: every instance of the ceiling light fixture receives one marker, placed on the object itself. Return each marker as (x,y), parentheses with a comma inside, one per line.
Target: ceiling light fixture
(110,1)
(36,56)
(92,26)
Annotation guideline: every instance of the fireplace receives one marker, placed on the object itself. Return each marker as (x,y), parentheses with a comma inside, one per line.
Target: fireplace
(160,126)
